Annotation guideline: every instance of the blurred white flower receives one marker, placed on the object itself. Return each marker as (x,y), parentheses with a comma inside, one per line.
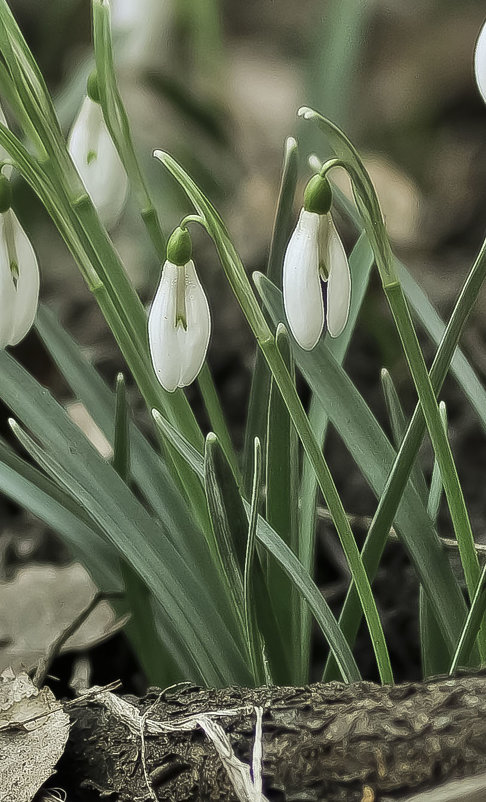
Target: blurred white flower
(315,251)
(141,30)
(98,163)
(19,281)
(179,326)
(480,62)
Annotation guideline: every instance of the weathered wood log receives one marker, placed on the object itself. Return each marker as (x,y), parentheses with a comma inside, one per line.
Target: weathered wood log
(333,742)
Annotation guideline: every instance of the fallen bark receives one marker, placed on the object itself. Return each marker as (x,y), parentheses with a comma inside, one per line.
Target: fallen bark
(333,742)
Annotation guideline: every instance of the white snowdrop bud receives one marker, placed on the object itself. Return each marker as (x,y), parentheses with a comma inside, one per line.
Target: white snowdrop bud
(179,324)
(19,281)
(98,163)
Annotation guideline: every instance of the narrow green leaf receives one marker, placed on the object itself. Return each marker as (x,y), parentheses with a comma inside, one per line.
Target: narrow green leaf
(436,328)
(27,486)
(227,517)
(121,447)
(337,41)
(472,626)
(149,471)
(435,654)
(282,457)
(183,446)
(360,263)
(252,633)
(374,454)
(180,589)
(450,479)
(216,417)
(369,208)
(285,557)
(282,470)
(436,486)
(154,657)
(230,524)
(260,385)
(243,290)
(399,427)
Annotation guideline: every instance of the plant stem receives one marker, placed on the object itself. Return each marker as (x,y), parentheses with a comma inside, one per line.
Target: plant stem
(333,501)
(245,295)
(376,538)
(450,479)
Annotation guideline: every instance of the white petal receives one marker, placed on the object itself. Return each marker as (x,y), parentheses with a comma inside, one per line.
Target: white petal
(302,290)
(163,334)
(80,139)
(195,338)
(27,290)
(102,173)
(141,30)
(7,290)
(339,282)
(480,62)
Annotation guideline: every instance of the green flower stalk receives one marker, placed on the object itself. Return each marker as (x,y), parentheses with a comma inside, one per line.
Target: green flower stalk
(245,295)
(369,208)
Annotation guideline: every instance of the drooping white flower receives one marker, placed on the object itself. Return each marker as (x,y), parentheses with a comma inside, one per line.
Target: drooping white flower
(141,30)
(480,62)
(98,163)
(179,324)
(315,252)
(19,281)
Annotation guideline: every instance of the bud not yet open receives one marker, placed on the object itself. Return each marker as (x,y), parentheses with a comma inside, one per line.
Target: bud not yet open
(179,326)
(19,281)
(98,163)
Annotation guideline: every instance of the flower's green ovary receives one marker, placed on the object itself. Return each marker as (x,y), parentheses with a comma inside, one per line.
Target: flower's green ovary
(247,300)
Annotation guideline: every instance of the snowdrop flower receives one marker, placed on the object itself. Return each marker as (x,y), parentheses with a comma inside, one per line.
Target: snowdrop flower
(315,252)
(141,29)
(97,160)
(179,322)
(480,62)
(19,274)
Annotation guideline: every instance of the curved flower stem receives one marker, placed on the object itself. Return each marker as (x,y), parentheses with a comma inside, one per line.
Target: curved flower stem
(118,125)
(450,479)
(370,211)
(245,295)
